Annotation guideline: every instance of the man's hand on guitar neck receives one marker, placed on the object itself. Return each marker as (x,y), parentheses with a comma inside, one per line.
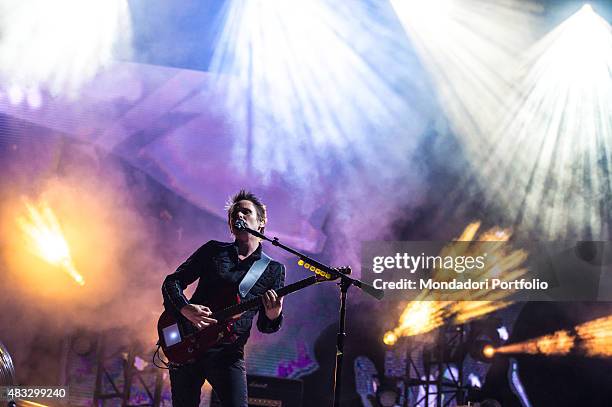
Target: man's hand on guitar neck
(273,304)
(198,315)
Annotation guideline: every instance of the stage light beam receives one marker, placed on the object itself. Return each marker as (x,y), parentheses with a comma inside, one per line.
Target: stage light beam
(555,138)
(535,124)
(317,75)
(58,46)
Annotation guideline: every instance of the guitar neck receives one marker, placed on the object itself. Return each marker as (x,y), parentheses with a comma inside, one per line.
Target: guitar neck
(228,312)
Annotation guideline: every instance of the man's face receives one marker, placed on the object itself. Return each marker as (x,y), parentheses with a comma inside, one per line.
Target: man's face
(246,211)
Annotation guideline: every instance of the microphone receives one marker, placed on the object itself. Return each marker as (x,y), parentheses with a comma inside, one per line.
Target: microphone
(240,225)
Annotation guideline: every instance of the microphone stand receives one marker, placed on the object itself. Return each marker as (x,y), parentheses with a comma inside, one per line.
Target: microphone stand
(345,283)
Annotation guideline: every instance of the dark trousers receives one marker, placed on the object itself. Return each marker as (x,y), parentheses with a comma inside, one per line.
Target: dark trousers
(225,371)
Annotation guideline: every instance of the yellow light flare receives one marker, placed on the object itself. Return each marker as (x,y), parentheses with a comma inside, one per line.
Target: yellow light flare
(469,232)
(44,238)
(390,338)
(592,339)
(488,351)
(28,403)
(596,337)
(420,316)
(465,311)
(558,343)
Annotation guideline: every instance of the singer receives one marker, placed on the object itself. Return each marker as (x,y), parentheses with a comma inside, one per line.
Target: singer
(217,264)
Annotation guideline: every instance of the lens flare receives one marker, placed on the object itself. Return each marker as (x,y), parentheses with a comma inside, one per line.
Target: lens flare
(44,237)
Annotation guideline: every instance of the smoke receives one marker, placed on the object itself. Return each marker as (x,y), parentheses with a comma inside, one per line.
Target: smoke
(112,242)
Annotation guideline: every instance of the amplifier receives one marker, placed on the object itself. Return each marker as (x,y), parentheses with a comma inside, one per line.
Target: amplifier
(274,391)
(270,392)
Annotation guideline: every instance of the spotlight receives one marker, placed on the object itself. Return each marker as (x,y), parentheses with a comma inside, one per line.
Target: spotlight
(488,351)
(482,350)
(485,336)
(390,338)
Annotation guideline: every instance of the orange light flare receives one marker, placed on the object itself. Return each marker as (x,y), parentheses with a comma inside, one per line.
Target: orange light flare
(503,262)
(465,311)
(488,351)
(419,317)
(44,238)
(592,339)
(596,337)
(390,338)
(558,343)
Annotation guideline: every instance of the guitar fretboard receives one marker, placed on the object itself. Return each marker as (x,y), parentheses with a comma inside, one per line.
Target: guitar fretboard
(228,312)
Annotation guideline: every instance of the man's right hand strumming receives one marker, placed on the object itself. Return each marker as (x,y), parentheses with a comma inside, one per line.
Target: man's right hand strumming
(198,315)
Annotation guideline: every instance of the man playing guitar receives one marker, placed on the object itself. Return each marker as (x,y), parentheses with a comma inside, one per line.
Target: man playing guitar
(219,265)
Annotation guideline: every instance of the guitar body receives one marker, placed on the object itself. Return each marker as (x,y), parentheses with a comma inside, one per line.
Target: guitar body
(183,343)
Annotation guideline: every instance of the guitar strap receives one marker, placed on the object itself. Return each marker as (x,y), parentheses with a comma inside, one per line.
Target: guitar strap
(253,275)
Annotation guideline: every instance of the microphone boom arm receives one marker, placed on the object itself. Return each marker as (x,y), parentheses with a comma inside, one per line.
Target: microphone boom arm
(365,287)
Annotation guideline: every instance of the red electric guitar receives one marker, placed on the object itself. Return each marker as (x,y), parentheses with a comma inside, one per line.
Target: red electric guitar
(183,343)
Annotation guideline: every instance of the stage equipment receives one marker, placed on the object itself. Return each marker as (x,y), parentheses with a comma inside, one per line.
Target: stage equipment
(435,362)
(345,283)
(7,369)
(270,392)
(263,389)
(122,389)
